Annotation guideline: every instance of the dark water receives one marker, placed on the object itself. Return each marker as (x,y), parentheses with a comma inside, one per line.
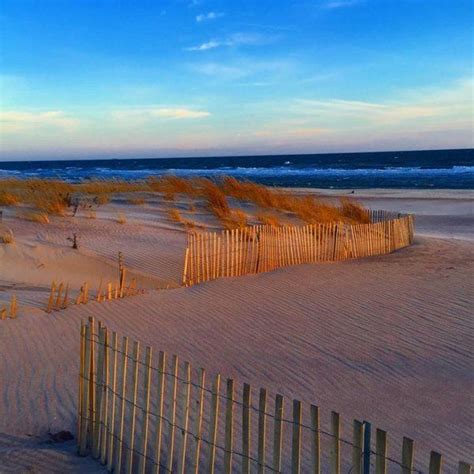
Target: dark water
(452,169)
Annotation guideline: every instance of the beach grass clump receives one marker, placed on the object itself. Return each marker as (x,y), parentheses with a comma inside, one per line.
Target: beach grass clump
(110,186)
(174,215)
(8,199)
(121,218)
(237,219)
(51,196)
(355,211)
(171,185)
(136,201)
(268,219)
(7,237)
(35,216)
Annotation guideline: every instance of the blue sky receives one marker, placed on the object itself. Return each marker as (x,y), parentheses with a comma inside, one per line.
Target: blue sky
(109,78)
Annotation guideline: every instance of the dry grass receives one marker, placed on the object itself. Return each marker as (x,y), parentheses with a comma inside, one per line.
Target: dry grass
(110,186)
(121,218)
(35,216)
(54,196)
(7,237)
(8,199)
(174,215)
(237,219)
(102,199)
(136,201)
(306,208)
(355,211)
(268,219)
(91,214)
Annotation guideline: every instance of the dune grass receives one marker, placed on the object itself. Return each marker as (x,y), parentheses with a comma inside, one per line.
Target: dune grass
(174,215)
(34,216)
(121,218)
(54,196)
(7,237)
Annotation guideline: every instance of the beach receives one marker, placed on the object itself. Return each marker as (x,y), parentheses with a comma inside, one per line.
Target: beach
(387,339)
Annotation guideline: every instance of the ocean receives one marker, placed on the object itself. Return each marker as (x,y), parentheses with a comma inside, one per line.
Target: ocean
(438,169)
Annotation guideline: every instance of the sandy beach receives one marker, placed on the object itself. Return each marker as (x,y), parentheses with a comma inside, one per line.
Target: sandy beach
(387,339)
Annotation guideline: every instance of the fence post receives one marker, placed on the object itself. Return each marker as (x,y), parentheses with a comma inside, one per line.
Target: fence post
(84,405)
(278,433)
(407,456)
(159,422)
(92,380)
(198,419)
(367,446)
(105,400)
(185,270)
(435,462)
(112,425)
(246,403)
(296,439)
(315,444)
(119,451)
(358,451)
(381,452)
(262,406)
(214,422)
(229,427)
(336,443)
(144,434)
(181,451)
(172,411)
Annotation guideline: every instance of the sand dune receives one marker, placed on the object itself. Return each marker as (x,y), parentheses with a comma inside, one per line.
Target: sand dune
(396,349)
(387,339)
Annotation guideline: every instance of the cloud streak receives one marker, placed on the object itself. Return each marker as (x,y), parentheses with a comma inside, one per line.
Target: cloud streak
(19,121)
(335,4)
(148,113)
(236,39)
(208,16)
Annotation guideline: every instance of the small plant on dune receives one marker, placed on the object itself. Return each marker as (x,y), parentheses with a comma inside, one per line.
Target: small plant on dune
(7,237)
(121,218)
(8,199)
(91,214)
(35,216)
(174,215)
(136,201)
(192,207)
(268,219)
(101,199)
(73,240)
(237,219)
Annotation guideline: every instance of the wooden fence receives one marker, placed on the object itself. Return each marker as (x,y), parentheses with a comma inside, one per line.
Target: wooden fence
(141,414)
(264,248)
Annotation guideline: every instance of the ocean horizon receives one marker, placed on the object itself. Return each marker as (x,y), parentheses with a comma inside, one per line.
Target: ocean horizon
(426,169)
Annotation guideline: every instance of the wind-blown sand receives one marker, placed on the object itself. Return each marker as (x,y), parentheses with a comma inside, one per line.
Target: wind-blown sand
(388,339)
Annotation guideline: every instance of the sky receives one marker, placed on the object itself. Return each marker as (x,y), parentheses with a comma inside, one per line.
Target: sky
(120,79)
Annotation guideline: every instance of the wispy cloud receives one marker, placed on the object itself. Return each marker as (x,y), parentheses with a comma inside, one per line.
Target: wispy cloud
(147,113)
(236,39)
(19,121)
(412,106)
(333,4)
(245,67)
(208,16)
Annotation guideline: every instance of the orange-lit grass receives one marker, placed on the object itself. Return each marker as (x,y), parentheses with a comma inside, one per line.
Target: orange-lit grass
(7,237)
(8,199)
(268,219)
(174,215)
